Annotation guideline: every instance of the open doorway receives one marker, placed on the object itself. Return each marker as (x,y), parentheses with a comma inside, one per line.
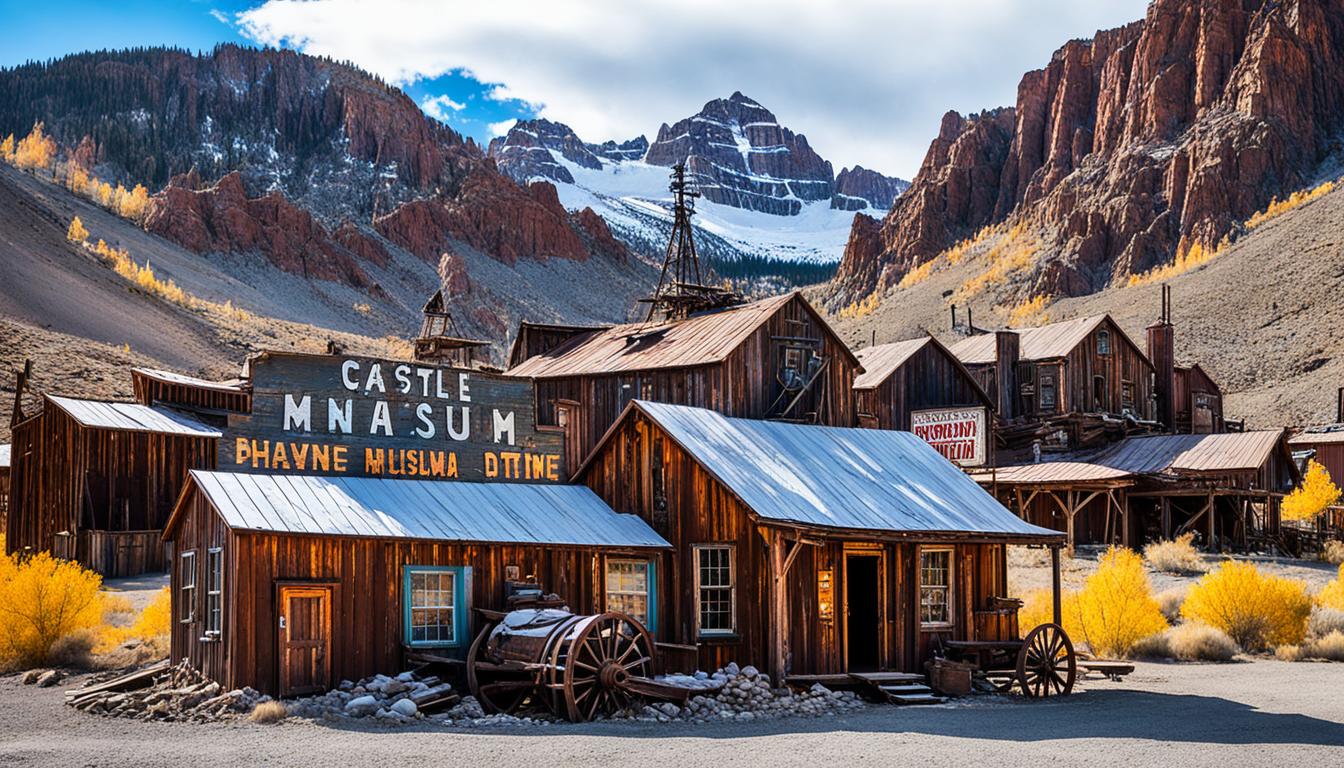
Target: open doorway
(863,612)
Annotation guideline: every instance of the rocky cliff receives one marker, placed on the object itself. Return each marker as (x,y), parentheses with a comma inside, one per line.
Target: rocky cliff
(1131,146)
(859,188)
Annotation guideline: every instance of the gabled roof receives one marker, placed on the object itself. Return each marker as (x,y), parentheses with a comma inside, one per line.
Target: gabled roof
(1044,342)
(1189,455)
(169,377)
(881,361)
(836,478)
(132,417)
(373,507)
(698,340)
(1318,435)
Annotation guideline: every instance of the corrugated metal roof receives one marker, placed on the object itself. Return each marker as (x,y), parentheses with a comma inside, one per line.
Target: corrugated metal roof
(698,340)
(4,455)
(1330,433)
(132,417)
(837,477)
(1041,343)
(169,377)
(881,361)
(505,513)
(1156,455)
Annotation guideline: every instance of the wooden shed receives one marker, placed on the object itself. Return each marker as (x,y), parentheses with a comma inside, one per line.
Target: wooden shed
(1225,487)
(290,584)
(919,385)
(813,550)
(775,358)
(95,481)
(205,399)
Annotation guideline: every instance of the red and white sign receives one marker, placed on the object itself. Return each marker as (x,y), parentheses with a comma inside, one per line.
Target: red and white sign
(957,433)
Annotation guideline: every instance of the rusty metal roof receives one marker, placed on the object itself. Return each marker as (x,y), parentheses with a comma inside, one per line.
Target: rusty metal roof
(132,417)
(169,377)
(697,340)
(838,477)
(1149,456)
(881,361)
(506,513)
(1041,343)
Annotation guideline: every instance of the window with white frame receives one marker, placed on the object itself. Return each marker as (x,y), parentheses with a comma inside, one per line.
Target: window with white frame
(629,587)
(431,606)
(186,586)
(214,591)
(935,587)
(715,590)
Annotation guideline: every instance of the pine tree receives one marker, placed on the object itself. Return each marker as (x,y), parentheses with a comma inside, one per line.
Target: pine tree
(76,233)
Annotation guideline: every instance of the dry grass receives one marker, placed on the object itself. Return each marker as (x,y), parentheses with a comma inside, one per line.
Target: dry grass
(916,275)
(1170,600)
(1189,642)
(1279,207)
(1324,621)
(1194,256)
(1014,252)
(1328,648)
(862,307)
(1333,552)
(1030,312)
(1175,556)
(268,712)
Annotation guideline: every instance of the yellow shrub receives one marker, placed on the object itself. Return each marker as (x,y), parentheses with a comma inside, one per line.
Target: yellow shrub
(43,599)
(861,308)
(76,233)
(1309,500)
(153,624)
(1332,594)
(1196,255)
(1030,312)
(1015,252)
(916,275)
(1256,610)
(1279,207)
(1116,608)
(7,149)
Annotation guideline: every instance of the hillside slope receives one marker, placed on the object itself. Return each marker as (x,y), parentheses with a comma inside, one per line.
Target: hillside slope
(1262,317)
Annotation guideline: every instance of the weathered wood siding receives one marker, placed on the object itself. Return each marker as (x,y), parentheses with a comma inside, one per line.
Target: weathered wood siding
(366,579)
(929,379)
(199,400)
(745,384)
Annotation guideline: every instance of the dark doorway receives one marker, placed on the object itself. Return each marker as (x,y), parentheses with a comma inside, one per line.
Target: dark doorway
(863,631)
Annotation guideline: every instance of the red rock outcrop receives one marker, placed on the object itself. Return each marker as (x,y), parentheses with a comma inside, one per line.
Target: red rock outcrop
(597,236)
(1130,146)
(491,214)
(223,219)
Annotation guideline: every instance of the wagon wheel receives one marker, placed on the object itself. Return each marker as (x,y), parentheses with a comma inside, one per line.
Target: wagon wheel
(601,660)
(498,687)
(1046,665)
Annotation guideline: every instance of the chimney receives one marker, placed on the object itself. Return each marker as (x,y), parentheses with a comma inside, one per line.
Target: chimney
(1162,353)
(954,318)
(1339,406)
(1006,353)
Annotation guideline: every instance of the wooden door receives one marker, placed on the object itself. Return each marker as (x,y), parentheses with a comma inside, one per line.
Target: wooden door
(304,638)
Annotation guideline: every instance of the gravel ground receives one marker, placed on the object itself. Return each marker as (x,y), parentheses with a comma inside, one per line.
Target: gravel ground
(1252,713)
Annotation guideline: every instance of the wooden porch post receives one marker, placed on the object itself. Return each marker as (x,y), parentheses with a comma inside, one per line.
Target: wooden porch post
(1166,517)
(778,608)
(1071,511)
(1055,587)
(1212,518)
(1122,505)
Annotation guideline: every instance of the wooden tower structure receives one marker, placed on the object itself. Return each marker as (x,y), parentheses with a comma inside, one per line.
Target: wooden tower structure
(681,288)
(441,343)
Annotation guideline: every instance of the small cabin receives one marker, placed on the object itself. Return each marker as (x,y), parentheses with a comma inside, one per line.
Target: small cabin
(290,584)
(784,555)
(918,385)
(95,481)
(776,358)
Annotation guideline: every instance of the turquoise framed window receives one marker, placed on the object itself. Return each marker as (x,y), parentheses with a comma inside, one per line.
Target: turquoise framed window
(632,589)
(434,600)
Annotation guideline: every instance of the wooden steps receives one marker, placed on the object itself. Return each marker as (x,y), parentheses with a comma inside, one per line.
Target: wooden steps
(903,688)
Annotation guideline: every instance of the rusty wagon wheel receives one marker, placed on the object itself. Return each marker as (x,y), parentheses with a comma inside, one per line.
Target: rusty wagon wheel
(1046,665)
(499,687)
(602,666)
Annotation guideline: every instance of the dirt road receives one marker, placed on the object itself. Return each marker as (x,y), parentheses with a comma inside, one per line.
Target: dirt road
(1247,714)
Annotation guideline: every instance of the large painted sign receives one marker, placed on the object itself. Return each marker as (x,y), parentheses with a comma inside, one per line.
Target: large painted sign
(357,416)
(957,433)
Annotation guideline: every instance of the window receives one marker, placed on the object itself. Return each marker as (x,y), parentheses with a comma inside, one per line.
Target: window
(214,591)
(646,389)
(1047,395)
(1099,393)
(630,588)
(1127,395)
(435,609)
(1103,342)
(186,586)
(715,590)
(935,587)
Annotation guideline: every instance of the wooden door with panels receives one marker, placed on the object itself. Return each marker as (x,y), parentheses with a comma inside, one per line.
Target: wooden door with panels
(304,638)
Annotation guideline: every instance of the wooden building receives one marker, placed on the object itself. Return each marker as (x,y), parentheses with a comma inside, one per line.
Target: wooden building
(771,359)
(290,584)
(919,385)
(813,550)
(1225,487)
(95,481)
(209,401)
(4,482)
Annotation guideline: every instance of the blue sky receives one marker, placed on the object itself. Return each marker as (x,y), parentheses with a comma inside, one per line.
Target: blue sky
(866,80)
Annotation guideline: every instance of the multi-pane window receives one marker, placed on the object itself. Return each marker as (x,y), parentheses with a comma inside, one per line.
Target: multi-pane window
(214,591)
(935,586)
(186,586)
(628,589)
(1103,342)
(432,606)
(1047,395)
(715,588)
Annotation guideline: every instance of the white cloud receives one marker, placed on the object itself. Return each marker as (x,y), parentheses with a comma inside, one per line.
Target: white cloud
(437,107)
(221,17)
(502,127)
(867,81)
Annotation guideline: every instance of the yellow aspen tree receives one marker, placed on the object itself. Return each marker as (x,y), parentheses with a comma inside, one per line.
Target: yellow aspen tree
(76,233)
(7,149)
(36,150)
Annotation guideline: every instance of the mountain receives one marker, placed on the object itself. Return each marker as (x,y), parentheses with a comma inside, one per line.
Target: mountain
(1149,141)
(770,206)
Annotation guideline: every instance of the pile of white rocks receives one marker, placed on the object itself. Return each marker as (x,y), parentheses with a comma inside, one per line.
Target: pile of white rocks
(745,694)
(396,700)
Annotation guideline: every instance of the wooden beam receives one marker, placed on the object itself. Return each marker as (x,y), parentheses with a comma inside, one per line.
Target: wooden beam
(778,607)
(1056,588)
